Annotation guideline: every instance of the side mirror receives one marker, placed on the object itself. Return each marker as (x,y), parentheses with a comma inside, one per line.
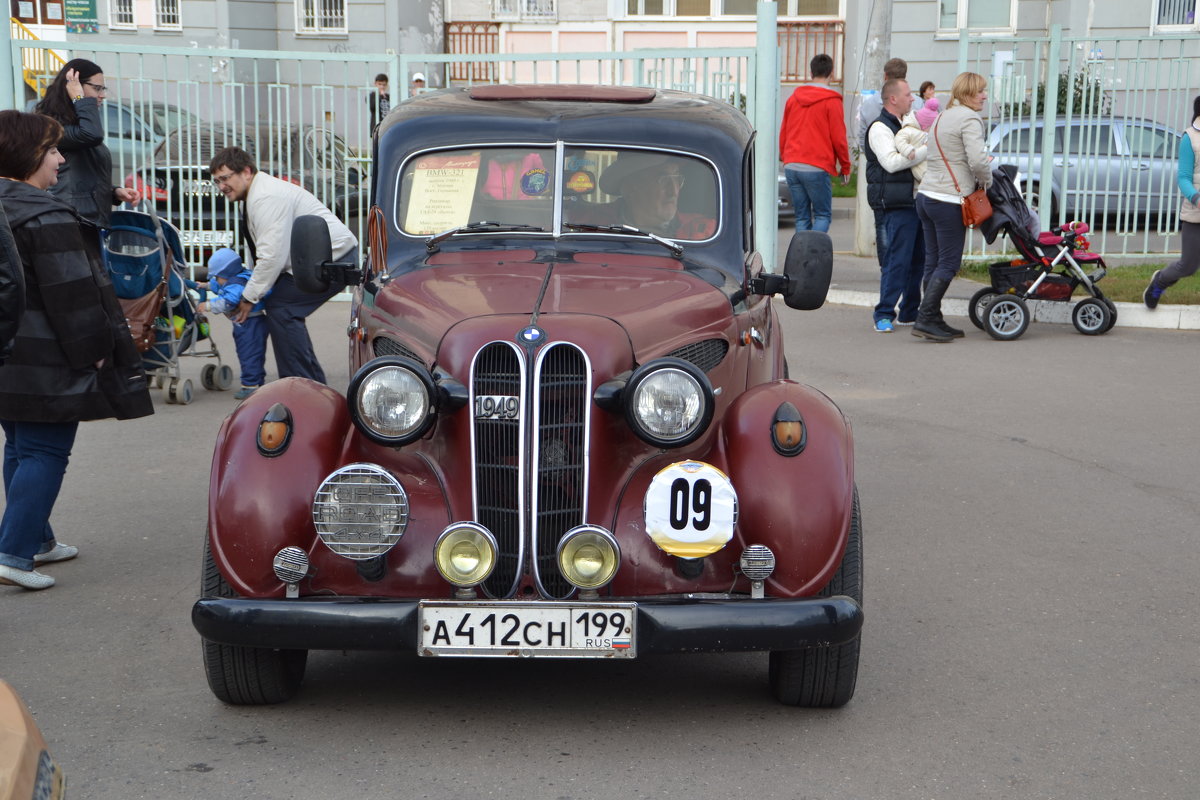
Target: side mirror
(808,267)
(313,266)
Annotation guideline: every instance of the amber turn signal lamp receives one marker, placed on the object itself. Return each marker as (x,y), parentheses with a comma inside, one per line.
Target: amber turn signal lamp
(788,432)
(275,431)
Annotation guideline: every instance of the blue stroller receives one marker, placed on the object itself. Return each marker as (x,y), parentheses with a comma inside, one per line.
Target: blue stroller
(144,258)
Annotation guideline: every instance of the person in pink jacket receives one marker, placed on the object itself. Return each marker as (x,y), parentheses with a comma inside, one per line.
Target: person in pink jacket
(813,147)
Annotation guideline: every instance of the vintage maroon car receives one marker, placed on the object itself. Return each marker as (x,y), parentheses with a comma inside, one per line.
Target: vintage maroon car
(569,432)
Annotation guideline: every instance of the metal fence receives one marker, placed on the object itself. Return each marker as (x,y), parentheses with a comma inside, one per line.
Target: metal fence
(307,115)
(1116,108)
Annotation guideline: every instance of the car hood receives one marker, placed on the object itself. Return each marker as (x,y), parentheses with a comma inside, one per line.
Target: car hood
(659,306)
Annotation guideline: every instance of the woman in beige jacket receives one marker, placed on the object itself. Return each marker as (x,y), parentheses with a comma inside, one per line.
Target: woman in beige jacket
(954,172)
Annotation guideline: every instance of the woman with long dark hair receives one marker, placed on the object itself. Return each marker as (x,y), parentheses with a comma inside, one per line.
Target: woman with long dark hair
(1188,180)
(85,180)
(72,358)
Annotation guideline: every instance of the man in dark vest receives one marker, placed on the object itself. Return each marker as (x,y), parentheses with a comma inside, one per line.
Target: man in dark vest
(890,193)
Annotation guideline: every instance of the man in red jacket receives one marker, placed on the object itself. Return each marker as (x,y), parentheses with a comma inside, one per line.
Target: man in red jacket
(812,146)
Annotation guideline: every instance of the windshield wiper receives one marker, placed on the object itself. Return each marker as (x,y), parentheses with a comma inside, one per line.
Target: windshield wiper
(676,250)
(431,244)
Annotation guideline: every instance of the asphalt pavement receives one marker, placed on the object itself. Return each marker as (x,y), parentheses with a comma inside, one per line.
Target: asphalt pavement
(856,283)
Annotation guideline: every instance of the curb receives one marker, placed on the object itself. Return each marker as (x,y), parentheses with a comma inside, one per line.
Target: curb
(1129,315)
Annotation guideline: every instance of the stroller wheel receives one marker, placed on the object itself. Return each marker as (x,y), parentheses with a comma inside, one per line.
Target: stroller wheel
(224,377)
(1006,318)
(208,377)
(977,305)
(180,391)
(1091,317)
(1113,308)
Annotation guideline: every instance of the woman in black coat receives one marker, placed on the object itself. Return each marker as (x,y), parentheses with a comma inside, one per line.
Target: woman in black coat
(72,358)
(85,180)
(12,288)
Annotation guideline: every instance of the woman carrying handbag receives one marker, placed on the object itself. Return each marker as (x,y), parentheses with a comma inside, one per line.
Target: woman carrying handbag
(960,170)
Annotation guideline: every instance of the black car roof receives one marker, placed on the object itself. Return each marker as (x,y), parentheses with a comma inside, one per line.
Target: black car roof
(599,114)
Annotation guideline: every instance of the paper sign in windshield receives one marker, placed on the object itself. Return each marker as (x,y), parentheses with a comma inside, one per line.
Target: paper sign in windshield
(443,188)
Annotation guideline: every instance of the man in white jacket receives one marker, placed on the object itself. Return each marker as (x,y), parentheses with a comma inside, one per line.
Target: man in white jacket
(271,206)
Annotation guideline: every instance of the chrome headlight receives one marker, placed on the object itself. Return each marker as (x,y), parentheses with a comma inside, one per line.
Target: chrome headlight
(391,400)
(465,554)
(588,556)
(668,402)
(360,511)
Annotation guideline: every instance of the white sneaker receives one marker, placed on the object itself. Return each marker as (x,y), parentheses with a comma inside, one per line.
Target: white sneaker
(60,552)
(26,579)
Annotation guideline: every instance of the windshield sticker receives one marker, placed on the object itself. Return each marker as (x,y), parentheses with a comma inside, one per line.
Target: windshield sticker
(581,162)
(443,188)
(535,181)
(581,182)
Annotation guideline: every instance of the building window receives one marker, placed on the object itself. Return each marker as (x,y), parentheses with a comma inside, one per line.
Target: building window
(120,14)
(724,8)
(320,16)
(536,10)
(166,15)
(977,15)
(1175,14)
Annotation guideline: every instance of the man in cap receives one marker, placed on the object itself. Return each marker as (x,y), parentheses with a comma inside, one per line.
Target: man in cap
(649,185)
(418,84)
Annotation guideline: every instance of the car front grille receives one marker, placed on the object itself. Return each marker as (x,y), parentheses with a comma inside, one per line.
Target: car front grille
(530,469)
(387,346)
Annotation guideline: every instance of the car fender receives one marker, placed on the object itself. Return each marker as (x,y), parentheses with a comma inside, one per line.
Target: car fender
(799,505)
(259,504)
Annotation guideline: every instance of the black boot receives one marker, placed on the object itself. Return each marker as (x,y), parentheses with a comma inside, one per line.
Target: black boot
(930,312)
(955,333)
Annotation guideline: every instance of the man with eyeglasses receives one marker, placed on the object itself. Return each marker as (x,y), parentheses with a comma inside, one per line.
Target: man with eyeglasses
(271,206)
(649,187)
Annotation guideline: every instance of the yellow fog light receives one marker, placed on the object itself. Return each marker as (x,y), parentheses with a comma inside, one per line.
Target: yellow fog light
(465,554)
(588,556)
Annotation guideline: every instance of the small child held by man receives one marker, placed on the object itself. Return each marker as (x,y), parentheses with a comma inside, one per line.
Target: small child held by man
(227,279)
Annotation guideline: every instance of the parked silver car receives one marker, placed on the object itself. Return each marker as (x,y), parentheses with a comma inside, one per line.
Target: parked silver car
(1107,165)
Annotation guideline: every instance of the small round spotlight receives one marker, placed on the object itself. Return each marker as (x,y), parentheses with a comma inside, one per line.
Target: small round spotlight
(588,556)
(465,554)
(290,565)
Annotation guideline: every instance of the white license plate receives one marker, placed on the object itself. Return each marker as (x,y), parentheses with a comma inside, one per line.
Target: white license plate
(525,629)
(206,237)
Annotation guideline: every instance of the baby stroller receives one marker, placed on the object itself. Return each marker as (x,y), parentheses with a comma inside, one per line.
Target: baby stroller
(144,257)
(1052,265)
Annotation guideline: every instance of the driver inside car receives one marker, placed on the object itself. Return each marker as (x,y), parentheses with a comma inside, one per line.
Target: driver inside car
(648,186)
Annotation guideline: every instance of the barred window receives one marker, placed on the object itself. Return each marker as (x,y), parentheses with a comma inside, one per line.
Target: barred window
(1174,13)
(525,9)
(321,16)
(120,14)
(166,15)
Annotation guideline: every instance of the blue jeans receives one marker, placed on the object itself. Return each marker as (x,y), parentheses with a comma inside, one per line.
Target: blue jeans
(250,339)
(945,236)
(903,265)
(35,460)
(812,198)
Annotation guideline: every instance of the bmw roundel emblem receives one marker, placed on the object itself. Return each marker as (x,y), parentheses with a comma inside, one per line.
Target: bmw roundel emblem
(531,335)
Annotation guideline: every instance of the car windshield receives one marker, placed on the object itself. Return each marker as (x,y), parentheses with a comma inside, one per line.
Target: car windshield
(593,189)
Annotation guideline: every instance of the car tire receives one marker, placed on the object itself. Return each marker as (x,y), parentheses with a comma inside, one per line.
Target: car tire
(1091,317)
(1006,318)
(246,676)
(978,304)
(825,677)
